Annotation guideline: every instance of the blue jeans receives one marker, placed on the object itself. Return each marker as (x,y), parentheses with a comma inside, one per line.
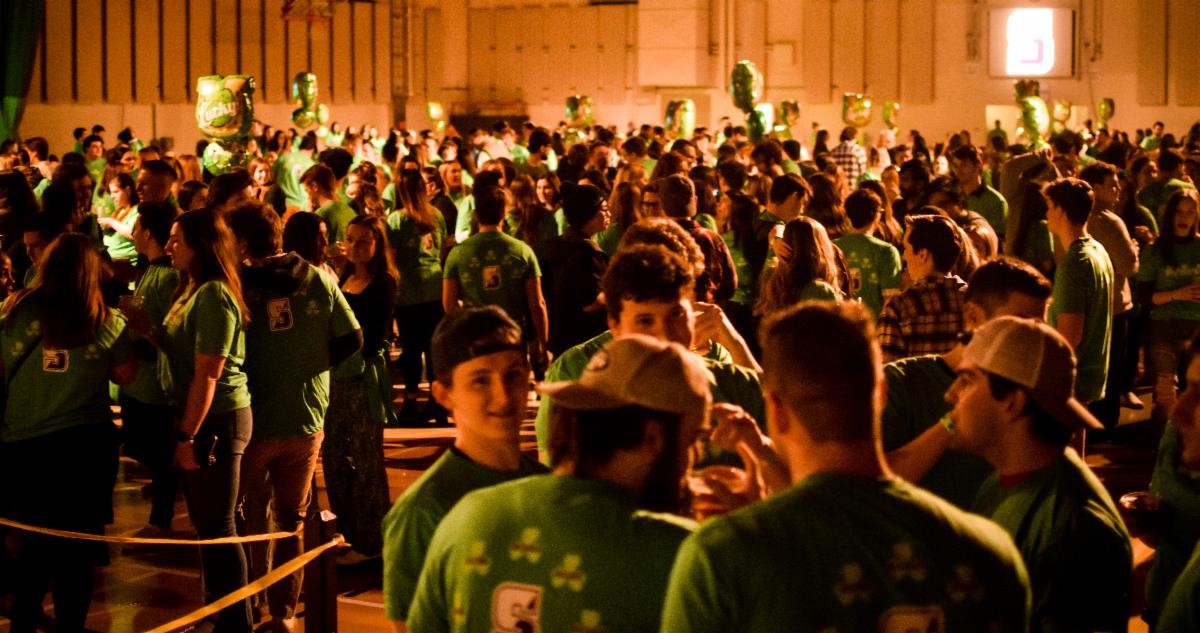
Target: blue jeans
(211,493)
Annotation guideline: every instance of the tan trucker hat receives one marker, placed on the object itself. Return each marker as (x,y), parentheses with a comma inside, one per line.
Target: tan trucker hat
(1035,356)
(637,370)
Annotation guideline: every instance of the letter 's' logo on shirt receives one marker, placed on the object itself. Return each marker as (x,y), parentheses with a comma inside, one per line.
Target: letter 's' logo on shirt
(491,277)
(56,360)
(279,314)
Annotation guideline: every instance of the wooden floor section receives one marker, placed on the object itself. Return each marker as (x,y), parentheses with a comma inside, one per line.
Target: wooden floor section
(144,588)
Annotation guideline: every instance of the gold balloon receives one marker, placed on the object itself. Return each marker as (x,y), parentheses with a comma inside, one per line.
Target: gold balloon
(856,109)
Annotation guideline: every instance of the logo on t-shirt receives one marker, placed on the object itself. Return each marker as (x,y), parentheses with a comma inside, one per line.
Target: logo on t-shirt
(491,277)
(56,360)
(516,608)
(279,314)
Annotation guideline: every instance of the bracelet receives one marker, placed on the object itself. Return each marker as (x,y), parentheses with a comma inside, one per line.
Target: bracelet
(947,422)
(180,436)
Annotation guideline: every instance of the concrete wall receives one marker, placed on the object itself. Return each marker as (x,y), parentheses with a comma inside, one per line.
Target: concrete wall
(131,65)
(126,63)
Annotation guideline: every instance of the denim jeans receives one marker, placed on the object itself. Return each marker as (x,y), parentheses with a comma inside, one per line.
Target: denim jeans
(278,470)
(211,493)
(150,439)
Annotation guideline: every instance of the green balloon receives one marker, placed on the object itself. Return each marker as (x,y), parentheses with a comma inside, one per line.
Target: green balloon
(856,109)
(1035,118)
(304,89)
(745,85)
(303,117)
(225,106)
(756,125)
(322,114)
(1027,88)
(1105,111)
(681,117)
(890,110)
(579,111)
(222,157)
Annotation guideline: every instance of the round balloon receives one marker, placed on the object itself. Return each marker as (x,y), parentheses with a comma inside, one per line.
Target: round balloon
(681,117)
(322,114)
(890,110)
(303,117)
(221,157)
(1035,118)
(579,111)
(1060,110)
(856,109)
(304,89)
(766,114)
(756,125)
(745,85)
(225,106)
(1105,111)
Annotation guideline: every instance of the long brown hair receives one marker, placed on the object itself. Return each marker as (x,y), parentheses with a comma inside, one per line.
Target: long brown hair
(66,293)
(216,257)
(812,259)
(528,211)
(382,263)
(413,201)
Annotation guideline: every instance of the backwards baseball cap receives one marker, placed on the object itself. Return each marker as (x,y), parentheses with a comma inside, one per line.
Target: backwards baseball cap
(470,333)
(637,370)
(1035,356)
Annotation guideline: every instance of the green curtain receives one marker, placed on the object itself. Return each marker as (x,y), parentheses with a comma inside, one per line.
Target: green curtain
(20,30)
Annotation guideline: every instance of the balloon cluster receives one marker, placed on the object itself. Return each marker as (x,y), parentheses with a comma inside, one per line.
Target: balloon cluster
(1105,111)
(225,114)
(437,114)
(856,109)
(789,115)
(579,118)
(1060,112)
(890,110)
(304,95)
(680,119)
(1035,115)
(746,86)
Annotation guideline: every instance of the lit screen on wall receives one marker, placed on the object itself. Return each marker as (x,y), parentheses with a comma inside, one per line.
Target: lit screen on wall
(1031,42)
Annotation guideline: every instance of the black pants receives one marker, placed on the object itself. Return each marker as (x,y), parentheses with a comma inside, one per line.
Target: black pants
(1120,380)
(150,439)
(416,323)
(61,480)
(211,493)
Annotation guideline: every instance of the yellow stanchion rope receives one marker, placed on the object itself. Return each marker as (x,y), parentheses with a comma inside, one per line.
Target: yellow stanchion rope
(277,574)
(83,536)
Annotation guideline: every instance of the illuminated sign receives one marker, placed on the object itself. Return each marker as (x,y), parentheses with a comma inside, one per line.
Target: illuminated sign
(1029,42)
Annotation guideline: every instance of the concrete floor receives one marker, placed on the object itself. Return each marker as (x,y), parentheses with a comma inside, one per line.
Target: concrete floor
(144,588)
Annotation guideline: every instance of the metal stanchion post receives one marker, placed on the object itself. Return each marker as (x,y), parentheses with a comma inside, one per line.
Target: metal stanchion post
(320,580)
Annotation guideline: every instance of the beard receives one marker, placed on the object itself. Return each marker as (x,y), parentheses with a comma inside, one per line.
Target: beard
(664,490)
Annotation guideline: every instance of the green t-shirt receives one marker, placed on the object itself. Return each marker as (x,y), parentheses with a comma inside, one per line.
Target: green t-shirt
(707,221)
(610,238)
(547,553)
(547,232)
(491,269)
(842,553)
(117,245)
(729,382)
(156,288)
(1038,250)
(54,390)
(207,322)
(992,206)
(916,400)
(292,320)
(1154,195)
(1083,284)
(1179,532)
(818,290)
(1182,611)
(1153,270)
(337,215)
(874,267)
(1073,542)
(408,527)
(418,257)
(747,280)
(288,169)
(466,215)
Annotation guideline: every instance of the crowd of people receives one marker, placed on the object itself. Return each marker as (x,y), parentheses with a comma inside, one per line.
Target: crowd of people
(783,386)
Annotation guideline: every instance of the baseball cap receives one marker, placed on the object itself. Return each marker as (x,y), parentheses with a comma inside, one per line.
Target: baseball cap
(470,333)
(637,370)
(1035,356)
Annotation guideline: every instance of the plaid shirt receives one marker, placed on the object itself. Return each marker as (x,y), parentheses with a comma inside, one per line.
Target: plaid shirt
(924,319)
(852,158)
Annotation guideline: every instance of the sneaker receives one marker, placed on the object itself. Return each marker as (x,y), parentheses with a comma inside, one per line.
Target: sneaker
(1131,400)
